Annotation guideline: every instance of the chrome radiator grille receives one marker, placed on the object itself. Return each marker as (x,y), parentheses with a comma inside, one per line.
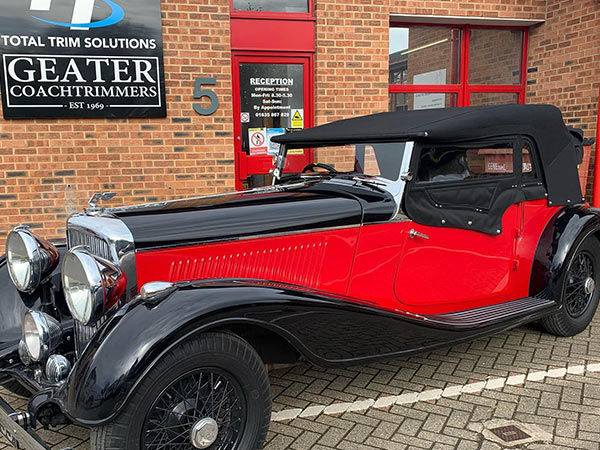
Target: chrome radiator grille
(96,245)
(83,333)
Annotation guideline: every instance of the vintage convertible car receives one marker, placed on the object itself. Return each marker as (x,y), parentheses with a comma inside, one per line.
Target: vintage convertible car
(152,324)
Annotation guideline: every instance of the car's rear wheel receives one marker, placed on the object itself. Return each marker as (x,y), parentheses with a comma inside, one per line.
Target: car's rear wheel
(580,291)
(210,392)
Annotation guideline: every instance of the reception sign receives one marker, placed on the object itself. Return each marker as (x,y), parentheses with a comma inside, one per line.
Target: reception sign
(81,58)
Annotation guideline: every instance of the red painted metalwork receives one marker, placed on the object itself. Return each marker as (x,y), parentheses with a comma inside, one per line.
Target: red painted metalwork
(256,164)
(320,260)
(464,89)
(453,270)
(257,34)
(596,194)
(459,269)
(267,37)
(274,14)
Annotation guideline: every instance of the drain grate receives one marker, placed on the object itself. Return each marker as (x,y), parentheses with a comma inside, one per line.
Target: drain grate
(510,433)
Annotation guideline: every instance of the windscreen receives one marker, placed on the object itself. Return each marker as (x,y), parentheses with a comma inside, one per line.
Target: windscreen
(380,159)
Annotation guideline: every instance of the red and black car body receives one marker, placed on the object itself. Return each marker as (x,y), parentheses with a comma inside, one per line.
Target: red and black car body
(451,241)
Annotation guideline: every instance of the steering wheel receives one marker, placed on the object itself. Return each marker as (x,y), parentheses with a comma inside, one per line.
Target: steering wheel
(311,166)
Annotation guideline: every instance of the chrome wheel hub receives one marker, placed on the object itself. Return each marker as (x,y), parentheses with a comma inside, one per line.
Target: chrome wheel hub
(580,286)
(589,285)
(204,433)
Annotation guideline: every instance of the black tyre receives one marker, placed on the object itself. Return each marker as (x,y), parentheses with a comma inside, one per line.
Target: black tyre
(209,392)
(16,388)
(580,291)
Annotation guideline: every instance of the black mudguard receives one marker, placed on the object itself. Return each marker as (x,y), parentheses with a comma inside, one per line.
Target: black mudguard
(568,227)
(327,331)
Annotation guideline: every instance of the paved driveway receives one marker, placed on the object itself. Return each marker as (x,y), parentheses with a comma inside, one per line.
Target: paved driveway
(447,399)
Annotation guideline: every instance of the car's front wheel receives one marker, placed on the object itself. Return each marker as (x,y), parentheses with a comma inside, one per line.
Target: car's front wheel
(209,392)
(579,286)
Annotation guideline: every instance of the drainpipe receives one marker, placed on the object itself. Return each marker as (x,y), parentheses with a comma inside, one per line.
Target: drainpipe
(596,194)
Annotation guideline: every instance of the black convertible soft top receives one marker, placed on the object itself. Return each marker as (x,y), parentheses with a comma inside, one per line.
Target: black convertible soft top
(543,123)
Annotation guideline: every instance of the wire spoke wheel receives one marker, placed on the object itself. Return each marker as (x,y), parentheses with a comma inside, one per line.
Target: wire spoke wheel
(203,409)
(580,285)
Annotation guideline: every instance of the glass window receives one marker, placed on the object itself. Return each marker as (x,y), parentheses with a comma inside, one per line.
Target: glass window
(381,159)
(424,55)
(528,169)
(408,102)
(291,6)
(442,164)
(272,99)
(493,98)
(495,56)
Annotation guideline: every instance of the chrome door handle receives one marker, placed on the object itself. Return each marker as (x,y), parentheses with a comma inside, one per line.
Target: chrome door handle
(413,233)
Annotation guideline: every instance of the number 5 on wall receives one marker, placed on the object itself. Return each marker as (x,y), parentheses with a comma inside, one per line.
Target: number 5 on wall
(199,93)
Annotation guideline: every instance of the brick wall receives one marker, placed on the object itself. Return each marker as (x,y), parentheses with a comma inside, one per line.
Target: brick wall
(564,63)
(351,64)
(514,9)
(49,167)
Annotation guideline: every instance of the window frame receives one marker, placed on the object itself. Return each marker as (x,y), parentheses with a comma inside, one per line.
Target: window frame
(536,177)
(464,89)
(276,15)
(470,145)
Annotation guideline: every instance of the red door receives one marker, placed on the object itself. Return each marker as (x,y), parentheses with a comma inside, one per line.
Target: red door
(454,269)
(272,95)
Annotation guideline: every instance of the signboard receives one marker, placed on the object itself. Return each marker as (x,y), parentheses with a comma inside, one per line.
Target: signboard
(82,58)
(272,98)
(258,141)
(297,118)
(430,101)
(273,147)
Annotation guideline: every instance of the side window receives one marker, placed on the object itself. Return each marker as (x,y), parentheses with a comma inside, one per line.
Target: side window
(445,164)
(529,171)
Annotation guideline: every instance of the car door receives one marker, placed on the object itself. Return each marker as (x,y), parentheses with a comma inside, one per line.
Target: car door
(464,205)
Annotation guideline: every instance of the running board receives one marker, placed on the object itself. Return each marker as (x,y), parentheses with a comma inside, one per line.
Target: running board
(492,314)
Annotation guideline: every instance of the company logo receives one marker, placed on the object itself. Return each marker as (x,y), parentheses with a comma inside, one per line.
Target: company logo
(82,14)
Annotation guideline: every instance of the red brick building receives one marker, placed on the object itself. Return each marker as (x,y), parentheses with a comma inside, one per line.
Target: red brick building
(331,59)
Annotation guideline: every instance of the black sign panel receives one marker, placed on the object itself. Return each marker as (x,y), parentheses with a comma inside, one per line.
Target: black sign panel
(81,58)
(272,98)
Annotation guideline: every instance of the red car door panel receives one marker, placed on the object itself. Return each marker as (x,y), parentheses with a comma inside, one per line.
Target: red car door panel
(457,269)
(377,256)
(536,215)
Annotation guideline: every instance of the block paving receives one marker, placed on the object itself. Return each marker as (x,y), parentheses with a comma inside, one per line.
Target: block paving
(568,407)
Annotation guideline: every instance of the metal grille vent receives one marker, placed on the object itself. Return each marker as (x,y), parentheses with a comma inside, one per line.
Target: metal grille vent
(97,246)
(83,334)
(510,433)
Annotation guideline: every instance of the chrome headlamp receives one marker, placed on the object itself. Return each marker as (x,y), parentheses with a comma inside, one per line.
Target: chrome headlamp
(30,258)
(41,334)
(92,285)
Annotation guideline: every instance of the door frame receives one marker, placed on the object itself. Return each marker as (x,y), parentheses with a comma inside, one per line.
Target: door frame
(237,57)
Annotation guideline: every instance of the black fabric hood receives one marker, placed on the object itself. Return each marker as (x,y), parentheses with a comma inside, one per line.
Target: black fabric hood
(543,123)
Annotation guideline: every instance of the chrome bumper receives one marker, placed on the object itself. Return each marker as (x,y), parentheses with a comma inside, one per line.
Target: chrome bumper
(18,434)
